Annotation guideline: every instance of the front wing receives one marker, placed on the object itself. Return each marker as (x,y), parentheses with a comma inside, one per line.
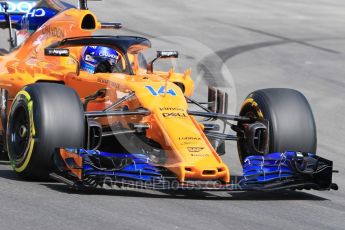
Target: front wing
(80,169)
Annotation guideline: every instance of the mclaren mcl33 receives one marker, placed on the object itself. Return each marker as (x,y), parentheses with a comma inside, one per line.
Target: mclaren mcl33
(133,125)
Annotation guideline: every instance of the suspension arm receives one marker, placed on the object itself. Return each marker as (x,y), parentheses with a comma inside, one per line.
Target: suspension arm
(219,116)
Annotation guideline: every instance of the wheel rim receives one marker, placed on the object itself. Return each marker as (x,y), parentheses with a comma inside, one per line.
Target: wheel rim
(251,110)
(20,133)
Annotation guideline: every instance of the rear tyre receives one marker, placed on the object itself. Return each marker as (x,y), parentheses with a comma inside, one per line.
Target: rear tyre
(290,127)
(43,118)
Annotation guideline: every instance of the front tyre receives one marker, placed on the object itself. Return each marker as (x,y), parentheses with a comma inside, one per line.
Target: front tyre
(43,118)
(287,117)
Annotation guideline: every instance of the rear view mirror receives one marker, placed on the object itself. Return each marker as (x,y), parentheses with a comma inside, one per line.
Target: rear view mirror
(167,54)
(56,52)
(59,52)
(162,55)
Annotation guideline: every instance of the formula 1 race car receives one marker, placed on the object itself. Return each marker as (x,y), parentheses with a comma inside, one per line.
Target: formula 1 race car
(130,125)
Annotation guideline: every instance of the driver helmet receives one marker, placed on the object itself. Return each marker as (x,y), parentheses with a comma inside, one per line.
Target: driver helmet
(92,56)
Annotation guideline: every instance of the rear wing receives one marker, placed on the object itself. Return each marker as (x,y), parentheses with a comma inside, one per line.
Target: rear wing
(29,15)
(16,10)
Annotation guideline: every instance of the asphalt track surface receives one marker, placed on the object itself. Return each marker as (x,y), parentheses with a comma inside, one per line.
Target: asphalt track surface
(296,44)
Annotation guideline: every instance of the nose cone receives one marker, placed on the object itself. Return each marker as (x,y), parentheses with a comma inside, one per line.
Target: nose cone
(189,155)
